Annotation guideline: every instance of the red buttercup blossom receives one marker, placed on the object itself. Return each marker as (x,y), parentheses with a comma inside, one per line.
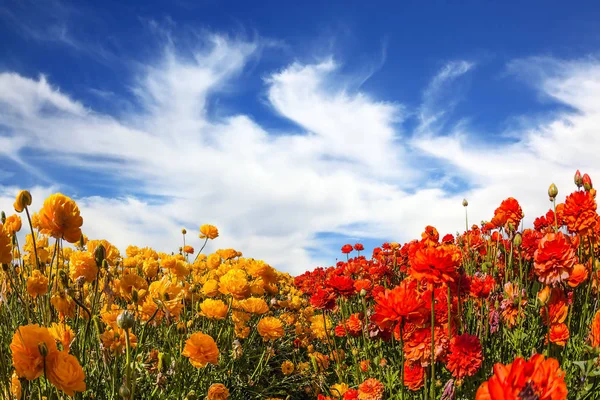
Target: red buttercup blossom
(559,334)
(342,285)
(482,285)
(351,394)
(400,305)
(594,337)
(414,377)
(554,258)
(359,247)
(362,284)
(323,300)
(448,239)
(579,212)
(538,378)
(417,345)
(340,330)
(354,325)
(531,239)
(508,215)
(579,274)
(556,308)
(436,264)
(371,389)
(347,248)
(464,356)
(430,237)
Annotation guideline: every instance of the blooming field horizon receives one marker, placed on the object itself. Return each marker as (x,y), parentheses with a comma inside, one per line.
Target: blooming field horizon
(499,311)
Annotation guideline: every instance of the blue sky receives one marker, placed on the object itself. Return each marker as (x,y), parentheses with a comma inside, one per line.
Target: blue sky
(295,126)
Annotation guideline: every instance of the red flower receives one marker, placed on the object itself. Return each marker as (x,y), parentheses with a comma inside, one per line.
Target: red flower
(538,378)
(347,248)
(436,264)
(448,239)
(323,300)
(559,334)
(354,324)
(414,376)
(370,389)
(482,286)
(464,357)
(342,285)
(400,305)
(508,215)
(359,247)
(594,337)
(554,258)
(579,212)
(351,394)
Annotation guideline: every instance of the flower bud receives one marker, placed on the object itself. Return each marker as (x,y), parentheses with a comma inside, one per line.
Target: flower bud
(465,203)
(552,192)
(43,349)
(587,182)
(99,255)
(191,395)
(544,295)
(126,320)
(23,200)
(181,328)
(124,392)
(3,217)
(578,180)
(183,231)
(518,239)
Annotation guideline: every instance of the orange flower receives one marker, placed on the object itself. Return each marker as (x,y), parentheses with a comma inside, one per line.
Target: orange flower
(12,224)
(436,264)
(235,282)
(217,391)
(37,284)
(201,349)
(26,347)
(254,305)
(214,309)
(354,324)
(464,357)
(554,258)
(188,249)
(5,246)
(83,264)
(538,378)
(508,215)
(579,212)
(401,304)
(595,331)
(64,305)
(364,365)
(65,372)
(559,334)
(209,232)
(270,328)
(59,218)
(113,339)
(371,389)
(578,275)
(15,386)
(414,376)
(556,309)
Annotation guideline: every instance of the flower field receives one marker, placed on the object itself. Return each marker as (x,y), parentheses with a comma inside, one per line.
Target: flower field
(499,311)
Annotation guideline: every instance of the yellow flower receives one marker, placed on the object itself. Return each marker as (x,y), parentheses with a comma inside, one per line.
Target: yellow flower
(112,254)
(213,261)
(5,246)
(320,326)
(254,305)
(23,200)
(114,340)
(12,224)
(59,218)
(64,305)
(150,268)
(15,386)
(339,389)
(210,288)
(83,263)
(214,309)
(208,232)
(62,333)
(201,349)
(64,371)
(287,367)
(37,284)
(270,328)
(217,391)
(235,282)
(27,345)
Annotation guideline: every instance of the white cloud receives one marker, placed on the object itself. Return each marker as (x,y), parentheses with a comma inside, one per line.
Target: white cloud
(348,163)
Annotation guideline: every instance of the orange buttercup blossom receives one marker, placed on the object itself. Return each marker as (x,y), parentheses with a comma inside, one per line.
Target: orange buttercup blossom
(59,218)
(436,264)
(370,389)
(235,282)
(414,376)
(270,328)
(556,309)
(5,246)
(214,309)
(209,232)
(559,334)
(579,212)
(63,334)
(254,305)
(25,348)
(37,284)
(401,304)
(188,249)
(201,349)
(12,224)
(538,378)
(113,339)
(64,371)
(578,275)
(217,391)
(83,264)
(465,356)
(554,258)
(508,215)
(64,305)
(594,337)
